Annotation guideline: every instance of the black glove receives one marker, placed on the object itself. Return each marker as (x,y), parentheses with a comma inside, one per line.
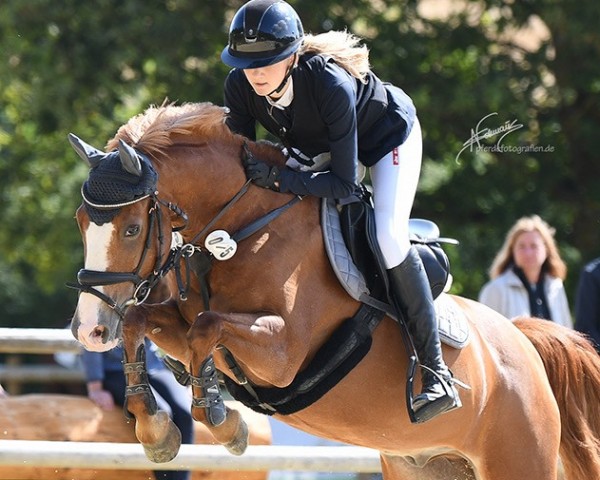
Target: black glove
(262,174)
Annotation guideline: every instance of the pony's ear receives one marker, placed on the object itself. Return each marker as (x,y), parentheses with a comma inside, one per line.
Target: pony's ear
(91,155)
(129,159)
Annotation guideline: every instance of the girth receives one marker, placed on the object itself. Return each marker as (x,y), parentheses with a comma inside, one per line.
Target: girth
(334,360)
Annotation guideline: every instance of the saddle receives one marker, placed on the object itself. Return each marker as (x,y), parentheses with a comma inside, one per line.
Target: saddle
(357,225)
(351,245)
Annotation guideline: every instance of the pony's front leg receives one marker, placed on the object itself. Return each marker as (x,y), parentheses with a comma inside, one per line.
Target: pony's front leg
(226,425)
(154,429)
(244,335)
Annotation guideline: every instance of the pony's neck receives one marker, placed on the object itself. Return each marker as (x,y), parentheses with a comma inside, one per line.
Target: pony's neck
(202,180)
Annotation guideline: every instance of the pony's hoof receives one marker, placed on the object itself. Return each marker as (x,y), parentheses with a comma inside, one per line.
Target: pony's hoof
(166,450)
(240,441)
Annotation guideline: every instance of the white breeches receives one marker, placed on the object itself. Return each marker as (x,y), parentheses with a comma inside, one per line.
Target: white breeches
(394,179)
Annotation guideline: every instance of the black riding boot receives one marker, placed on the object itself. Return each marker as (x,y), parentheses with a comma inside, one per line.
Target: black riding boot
(411,295)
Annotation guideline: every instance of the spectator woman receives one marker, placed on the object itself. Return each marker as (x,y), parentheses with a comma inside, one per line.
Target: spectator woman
(527,275)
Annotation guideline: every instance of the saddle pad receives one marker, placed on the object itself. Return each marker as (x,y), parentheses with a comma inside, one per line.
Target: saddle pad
(350,278)
(452,322)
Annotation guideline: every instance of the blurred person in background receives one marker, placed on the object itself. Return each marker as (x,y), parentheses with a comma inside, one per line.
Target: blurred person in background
(587,303)
(527,275)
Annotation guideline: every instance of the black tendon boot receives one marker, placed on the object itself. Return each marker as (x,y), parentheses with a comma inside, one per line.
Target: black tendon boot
(411,295)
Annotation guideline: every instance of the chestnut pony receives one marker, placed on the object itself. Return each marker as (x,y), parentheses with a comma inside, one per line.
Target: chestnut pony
(274,300)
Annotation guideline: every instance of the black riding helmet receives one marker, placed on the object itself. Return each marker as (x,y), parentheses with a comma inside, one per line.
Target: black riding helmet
(262,32)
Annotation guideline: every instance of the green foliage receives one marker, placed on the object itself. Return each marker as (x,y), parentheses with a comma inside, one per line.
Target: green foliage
(87,67)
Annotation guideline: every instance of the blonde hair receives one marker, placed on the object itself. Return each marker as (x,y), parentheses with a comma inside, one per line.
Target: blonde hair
(344,48)
(553,264)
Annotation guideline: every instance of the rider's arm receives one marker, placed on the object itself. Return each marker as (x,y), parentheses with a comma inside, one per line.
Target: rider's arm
(337,105)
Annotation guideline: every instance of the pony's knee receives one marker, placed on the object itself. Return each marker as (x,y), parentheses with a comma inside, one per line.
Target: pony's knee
(135,322)
(207,326)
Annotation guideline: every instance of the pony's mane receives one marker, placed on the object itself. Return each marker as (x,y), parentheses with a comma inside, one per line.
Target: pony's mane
(153,131)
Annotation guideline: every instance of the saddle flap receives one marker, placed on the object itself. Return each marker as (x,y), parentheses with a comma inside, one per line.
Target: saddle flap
(353,249)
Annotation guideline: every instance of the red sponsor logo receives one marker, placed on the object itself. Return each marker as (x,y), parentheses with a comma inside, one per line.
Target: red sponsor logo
(395,156)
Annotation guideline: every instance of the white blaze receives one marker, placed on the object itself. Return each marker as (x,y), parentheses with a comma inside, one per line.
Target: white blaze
(97,240)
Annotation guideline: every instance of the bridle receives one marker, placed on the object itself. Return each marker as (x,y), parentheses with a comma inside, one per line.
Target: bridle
(88,279)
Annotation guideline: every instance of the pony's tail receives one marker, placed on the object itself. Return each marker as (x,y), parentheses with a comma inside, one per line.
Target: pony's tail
(573,368)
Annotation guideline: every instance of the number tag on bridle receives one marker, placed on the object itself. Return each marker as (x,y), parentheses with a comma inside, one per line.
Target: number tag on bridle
(221,245)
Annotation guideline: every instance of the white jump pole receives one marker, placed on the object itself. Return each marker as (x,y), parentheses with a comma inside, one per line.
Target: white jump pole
(37,340)
(130,456)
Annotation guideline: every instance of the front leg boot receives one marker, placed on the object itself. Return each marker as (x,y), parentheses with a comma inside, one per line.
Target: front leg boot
(211,399)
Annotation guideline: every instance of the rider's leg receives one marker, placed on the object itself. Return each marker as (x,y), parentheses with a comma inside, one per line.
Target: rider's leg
(395,179)
(411,295)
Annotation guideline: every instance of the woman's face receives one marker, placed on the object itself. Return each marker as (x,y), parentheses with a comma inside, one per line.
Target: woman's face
(266,79)
(529,251)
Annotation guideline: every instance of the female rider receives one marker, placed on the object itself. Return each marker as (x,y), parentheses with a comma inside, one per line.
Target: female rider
(319,96)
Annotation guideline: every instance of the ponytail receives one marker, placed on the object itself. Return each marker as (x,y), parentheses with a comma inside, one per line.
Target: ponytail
(344,48)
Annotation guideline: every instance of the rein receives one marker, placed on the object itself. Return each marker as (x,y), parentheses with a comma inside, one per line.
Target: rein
(185,252)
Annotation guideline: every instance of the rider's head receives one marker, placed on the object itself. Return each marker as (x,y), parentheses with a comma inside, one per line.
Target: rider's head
(262,32)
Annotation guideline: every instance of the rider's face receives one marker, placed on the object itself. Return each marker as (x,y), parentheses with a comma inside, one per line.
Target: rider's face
(266,79)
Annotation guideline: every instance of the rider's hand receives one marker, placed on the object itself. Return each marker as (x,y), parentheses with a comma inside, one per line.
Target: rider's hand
(261,174)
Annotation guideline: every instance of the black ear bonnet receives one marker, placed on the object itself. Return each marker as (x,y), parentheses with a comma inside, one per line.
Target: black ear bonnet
(109,186)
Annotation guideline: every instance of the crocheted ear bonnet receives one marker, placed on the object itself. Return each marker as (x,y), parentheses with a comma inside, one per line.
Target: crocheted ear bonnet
(109,186)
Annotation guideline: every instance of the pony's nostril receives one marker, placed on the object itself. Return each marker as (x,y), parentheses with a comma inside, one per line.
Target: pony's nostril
(100,331)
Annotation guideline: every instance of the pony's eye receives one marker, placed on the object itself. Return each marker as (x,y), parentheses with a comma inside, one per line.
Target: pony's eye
(132,230)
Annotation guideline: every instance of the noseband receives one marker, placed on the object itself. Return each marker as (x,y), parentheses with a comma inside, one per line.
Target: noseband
(88,279)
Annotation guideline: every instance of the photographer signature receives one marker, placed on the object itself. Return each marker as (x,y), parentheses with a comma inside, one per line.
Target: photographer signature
(482,133)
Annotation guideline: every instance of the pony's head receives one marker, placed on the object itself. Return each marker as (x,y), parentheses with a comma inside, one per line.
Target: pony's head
(127,229)
(122,232)
(126,242)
